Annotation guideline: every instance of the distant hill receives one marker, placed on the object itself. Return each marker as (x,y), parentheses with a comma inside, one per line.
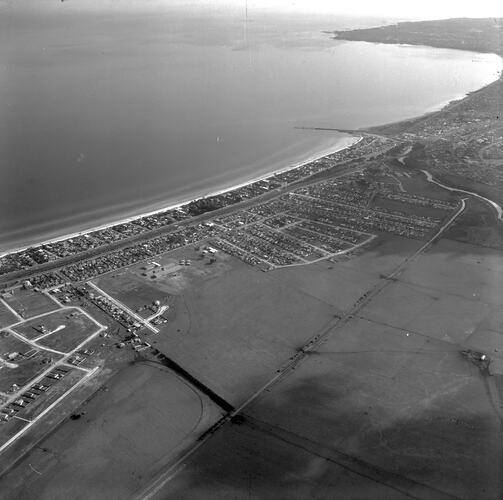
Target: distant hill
(479,35)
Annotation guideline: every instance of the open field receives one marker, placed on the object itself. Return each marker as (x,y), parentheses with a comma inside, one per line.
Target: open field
(28,303)
(388,397)
(324,281)
(347,378)
(382,255)
(114,446)
(406,405)
(133,290)
(56,388)
(386,404)
(61,330)
(77,328)
(36,406)
(11,344)
(7,317)
(232,330)
(230,325)
(352,427)
(478,226)
(40,381)
(43,325)
(340,284)
(418,184)
(459,269)
(435,315)
(9,429)
(135,287)
(68,339)
(21,370)
(25,370)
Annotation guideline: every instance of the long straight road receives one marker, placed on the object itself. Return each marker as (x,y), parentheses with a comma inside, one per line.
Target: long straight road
(122,306)
(420,491)
(58,264)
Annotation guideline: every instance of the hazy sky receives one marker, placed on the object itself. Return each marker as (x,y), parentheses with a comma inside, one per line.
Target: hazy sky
(429,9)
(399,8)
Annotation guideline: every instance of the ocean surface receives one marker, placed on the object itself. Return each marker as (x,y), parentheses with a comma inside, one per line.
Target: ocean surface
(106,112)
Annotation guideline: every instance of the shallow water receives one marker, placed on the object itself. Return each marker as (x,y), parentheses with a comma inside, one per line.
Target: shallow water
(105,113)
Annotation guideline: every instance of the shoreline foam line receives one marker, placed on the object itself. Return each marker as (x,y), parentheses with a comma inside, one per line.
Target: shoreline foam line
(133,218)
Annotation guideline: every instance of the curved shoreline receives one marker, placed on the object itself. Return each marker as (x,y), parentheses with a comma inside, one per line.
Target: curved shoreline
(383,129)
(132,218)
(355,133)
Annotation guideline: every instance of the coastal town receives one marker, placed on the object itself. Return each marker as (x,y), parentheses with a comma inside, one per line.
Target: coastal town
(330,325)
(329,209)
(101,241)
(66,314)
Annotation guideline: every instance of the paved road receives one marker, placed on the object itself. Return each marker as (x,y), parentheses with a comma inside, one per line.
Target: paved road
(421,491)
(120,305)
(58,264)
(493,204)
(61,362)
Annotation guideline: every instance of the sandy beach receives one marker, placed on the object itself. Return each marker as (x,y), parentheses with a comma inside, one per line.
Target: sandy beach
(349,142)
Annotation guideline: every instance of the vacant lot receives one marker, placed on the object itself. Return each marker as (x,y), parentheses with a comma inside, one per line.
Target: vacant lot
(36,406)
(388,397)
(63,329)
(235,328)
(21,369)
(9,343)
(386,407)
(56,389)
(327,282)
(9,429)
(28,303)
(135,287)
(376,412)
(24,371)
(382,256)
(6,317)
(78,327)
(133,291)
(342,283)
(124,436)
(47,323)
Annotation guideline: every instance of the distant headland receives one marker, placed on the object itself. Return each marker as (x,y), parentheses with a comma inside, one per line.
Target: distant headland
(478,35)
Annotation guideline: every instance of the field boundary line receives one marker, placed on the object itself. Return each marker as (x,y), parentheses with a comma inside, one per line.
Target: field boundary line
(151,490)
(13,311)
(47,410)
